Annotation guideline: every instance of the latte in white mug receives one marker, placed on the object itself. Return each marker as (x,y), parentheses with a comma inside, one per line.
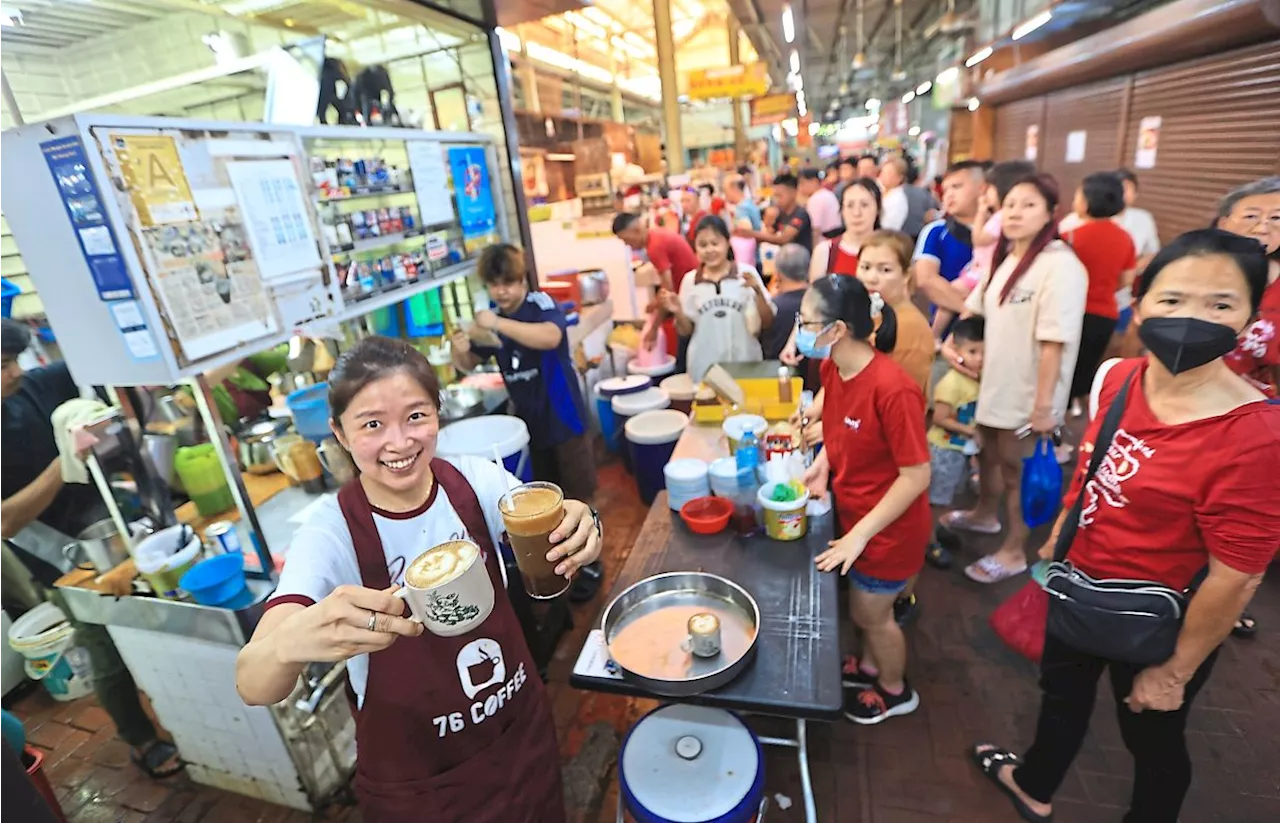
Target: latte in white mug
(448,588)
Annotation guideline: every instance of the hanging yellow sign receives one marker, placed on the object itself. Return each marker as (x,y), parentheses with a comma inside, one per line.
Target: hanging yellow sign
(748,80)
(772,108)
(157,184)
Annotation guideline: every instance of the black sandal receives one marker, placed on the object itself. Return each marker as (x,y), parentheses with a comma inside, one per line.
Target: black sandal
(154,756)
(1245,628)
(989,763)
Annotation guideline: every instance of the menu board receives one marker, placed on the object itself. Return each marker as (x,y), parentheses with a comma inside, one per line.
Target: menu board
(430,181)
(275,213)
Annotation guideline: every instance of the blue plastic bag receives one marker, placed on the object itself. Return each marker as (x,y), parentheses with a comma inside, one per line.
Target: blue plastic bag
(1041,485)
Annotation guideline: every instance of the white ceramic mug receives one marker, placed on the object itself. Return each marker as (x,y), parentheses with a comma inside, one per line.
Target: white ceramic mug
(457,605)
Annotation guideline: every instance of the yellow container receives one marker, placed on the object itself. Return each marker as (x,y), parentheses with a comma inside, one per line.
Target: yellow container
(761,398)
(783,521)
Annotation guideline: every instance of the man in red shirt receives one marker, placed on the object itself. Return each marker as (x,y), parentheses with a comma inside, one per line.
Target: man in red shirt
(1253,210)
(670,255)
(1108,255)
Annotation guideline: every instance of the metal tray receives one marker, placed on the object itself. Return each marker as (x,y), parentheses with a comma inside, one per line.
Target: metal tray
(646,624)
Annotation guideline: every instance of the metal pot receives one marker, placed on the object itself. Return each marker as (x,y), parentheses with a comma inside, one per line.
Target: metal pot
(458,401)
(158,450)
(100,545)
(254,448)
(593,287)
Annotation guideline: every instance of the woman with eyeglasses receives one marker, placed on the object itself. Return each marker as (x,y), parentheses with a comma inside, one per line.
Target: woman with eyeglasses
(876,464)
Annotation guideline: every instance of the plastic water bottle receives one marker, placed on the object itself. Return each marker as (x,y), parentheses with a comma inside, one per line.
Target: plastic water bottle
(748,454)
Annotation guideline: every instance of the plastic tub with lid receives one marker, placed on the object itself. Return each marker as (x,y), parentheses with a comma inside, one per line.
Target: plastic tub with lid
(494,437)
(651,439)
(626,406)
(684,392)
(608,389)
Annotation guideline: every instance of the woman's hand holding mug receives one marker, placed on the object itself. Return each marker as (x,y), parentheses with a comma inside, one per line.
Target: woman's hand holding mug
(352,620)
(577,539)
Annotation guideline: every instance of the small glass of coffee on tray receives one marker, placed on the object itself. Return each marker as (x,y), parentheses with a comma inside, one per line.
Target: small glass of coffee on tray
(530,513)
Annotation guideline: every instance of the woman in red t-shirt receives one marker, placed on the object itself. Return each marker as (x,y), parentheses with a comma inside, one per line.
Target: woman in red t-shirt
(860,211)
(1187,483)
(1108,255)
(876,463)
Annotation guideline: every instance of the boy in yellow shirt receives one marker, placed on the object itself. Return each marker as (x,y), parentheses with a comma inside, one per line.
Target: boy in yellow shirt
(952,437)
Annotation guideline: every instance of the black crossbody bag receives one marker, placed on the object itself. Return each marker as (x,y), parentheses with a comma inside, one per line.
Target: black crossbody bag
(1129,621)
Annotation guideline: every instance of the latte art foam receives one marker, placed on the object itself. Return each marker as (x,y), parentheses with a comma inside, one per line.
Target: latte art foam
(439,565)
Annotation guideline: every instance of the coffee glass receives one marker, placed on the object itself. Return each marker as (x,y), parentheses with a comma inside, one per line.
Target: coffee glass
(448,588)
(530,513)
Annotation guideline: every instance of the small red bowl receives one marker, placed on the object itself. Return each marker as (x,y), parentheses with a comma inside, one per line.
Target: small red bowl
(707,515)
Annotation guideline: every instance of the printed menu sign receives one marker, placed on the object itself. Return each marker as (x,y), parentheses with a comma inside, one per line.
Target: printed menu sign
(157,183)
(1148,143)
(275,216)
(430,181)
(70,168)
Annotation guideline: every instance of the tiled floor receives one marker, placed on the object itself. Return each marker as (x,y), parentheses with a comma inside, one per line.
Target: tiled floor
(909,770)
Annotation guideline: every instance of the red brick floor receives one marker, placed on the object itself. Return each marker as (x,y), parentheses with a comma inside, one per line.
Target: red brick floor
(909,770)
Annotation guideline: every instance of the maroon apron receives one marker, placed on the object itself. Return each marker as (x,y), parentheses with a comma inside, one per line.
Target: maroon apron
(452,729)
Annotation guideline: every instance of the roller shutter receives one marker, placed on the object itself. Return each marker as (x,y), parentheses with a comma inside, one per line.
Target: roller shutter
(1012,120)
(1096,110)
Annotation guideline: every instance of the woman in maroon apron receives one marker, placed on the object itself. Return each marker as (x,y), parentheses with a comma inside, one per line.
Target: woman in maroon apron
(447,728)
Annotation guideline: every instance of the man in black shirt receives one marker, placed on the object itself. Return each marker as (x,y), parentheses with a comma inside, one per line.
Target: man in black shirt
(792,224)
(32,489)
(792,263)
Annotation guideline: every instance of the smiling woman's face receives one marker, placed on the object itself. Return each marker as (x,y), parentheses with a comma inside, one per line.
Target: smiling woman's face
(390,427)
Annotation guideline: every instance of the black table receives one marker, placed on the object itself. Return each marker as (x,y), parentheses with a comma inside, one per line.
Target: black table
(796,670)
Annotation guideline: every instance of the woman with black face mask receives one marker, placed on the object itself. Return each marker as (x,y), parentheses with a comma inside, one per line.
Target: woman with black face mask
(1184,491)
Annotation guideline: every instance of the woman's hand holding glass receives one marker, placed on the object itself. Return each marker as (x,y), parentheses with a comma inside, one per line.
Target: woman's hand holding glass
(352,620)
(577,539)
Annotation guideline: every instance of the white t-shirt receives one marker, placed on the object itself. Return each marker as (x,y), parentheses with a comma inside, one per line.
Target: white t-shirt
(1142,228)
(894,208)
(322,556)
(725,320)
(1046,305)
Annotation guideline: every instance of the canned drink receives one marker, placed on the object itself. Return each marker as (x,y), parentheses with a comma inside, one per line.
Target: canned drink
(222,538)
(704,635)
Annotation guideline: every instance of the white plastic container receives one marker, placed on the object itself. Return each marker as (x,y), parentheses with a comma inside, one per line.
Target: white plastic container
(46,639)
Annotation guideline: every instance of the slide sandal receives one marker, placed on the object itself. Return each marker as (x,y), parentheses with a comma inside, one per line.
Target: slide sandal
(959,521)
(153,758)
(989,570)
(989,762)
(1246,627)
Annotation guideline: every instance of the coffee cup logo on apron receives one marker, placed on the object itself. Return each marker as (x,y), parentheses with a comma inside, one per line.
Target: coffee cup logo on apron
(480,665)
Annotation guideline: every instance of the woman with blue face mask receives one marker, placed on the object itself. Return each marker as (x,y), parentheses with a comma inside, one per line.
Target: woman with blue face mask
(876,464)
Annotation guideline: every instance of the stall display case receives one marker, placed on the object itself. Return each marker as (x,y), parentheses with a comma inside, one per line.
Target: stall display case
(165,248)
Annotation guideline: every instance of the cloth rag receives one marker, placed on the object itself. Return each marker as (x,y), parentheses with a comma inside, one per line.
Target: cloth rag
(68,422)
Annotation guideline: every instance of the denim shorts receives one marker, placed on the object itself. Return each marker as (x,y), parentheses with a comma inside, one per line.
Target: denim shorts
(874,585)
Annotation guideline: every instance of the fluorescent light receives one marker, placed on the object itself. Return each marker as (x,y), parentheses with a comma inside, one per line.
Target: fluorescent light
(813,128)
(800,97)
(558,59)
(948,75)
(509,40)
(11,18)
(908,97)
(978,56)
(586,26)
(924,87)
(788,24)
(598,16)
(974,103)
(561,157)
(873,104)
(795,62)
(1031,25)
(914,131)
(777,134)
(795,82)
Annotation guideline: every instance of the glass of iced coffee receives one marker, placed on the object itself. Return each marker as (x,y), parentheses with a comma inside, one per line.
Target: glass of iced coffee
(530,513)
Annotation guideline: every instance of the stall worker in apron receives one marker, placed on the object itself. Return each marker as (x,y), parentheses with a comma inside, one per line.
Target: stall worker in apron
(540,379)
(722,306)
(428,748)
(33,489)
(876,464)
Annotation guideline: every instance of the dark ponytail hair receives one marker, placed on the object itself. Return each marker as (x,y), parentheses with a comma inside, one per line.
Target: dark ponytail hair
(1048,188)
(844,298)
(373,359)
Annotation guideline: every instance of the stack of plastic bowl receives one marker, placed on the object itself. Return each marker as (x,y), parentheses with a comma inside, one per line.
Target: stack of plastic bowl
(726,481)
(687,479)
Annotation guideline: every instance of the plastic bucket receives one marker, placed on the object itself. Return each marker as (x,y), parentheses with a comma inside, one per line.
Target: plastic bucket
(666,365)
(494,437)
(162,564)
(33,760)
(739,424)
(216,581)
(783,521)
(683,392)
(310,410)
(608,389)
(46,639)
(627,406)
(691,764)
(651,438)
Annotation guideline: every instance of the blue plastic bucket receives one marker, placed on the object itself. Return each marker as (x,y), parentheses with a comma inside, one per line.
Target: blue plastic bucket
(692,764)
(627,406)
(310,409)
(608,389)
(651,439)
(216,581)
(492,437)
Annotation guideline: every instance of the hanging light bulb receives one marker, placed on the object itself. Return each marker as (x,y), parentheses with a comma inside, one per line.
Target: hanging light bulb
(788,24)
(974,103)
(898,73)
(795,62)
(860,58)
